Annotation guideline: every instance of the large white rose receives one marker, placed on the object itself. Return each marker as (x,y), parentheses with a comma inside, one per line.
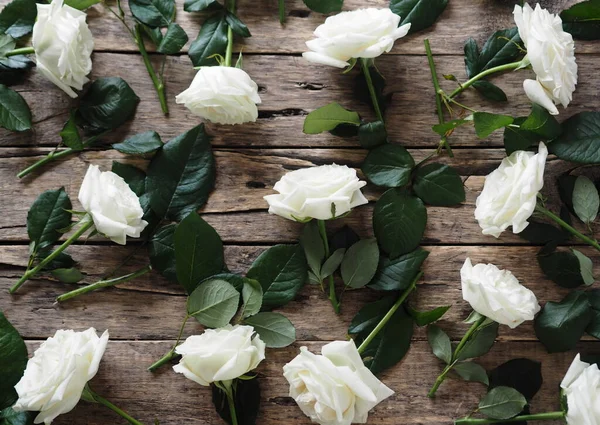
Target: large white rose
(510,192)
(323,192)
(220,354)
(581,385)
(551,52)
(223,95)
(114,207)
(497,294)
(334,388)
(362,33)
(63,45)
(58,372)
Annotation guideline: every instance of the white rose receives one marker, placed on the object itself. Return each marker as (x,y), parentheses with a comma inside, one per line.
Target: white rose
(510,192)
(551,52)
(581,385)
(63,45)
(114,207)
(362,33)
(323,192)
(497,294)
(334,388)
(223,95)
(58,372)
(220,354)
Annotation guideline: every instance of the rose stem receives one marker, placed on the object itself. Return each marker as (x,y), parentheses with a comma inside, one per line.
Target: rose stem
(91,396)
(438,100)
(87,223)
(389,314)
(500,68)
(21,51)
(534,417)
(171,354)
(332,297)
(231,403)
(365,68)
(103,284)
(229,50)
(282,11)
(158,82)
(567,226)
(455,355)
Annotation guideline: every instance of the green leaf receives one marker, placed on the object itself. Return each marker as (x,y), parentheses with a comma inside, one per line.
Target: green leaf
(324,6)
(9,417)
(480,343)
(559,326)
(328,118)
(471,50)
(312,243)
(173,40)
(252,295)
(579,140)
(397,274)
(133,176)
(444,128)
(594,327)
(71,275)
(246,398)
(13,359)
(360,263)
(470,371)
(17,18)
(108,103)
(140,144)
(372,134)
(181,175)
(274,329)
(154,13)
(14,111)
(502,403)
(399,221)
(332,263)
(162,252)
(198,251)
(490,91)
(586,268)
(370,315)
(14,69)
(582,20)
(389,166)
(282,272)
(542,233)
(439,184)
(502,47)
(70,134)
(211,40)
(439,343)
(47,215)
(81,4)
(486,123)
(236,25)
(7,44)
(200,5)
(419,13)
(214,303)
(562,267)
(517,139)
(540,123)
(585,199)
(424,318)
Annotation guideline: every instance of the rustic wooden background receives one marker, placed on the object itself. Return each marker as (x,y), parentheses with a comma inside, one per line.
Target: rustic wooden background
(143,316)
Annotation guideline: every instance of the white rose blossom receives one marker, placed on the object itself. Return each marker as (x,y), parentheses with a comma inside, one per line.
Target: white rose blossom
(63,45)
(551,52)
(334,388)
(581,385)
(111,203)
(323,192)
(58,372)
(220,354)
(223,95)
(362,33)
(509,194)
(497,294)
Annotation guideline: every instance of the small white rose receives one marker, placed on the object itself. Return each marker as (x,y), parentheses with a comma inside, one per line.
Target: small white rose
(509,194)
(362,33)
(114,207)
(223,95)
(581,385)
(58,372)
(63,45)
(551,52)
(497,294)
(220,354)
(323,192)
(334,388)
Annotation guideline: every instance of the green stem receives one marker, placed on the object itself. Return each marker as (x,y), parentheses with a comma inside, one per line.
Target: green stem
(158,83)
(500,68)
(282,11)
(535,417)
(366,71)
(332,296)
(89,395)
(389,314)
(103,284)
(21,51)
(171,354)
(567,226)
(229,50)
(231,403)
(438,99)
(86,223)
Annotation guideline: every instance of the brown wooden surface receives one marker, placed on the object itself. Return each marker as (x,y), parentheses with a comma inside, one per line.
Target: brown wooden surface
(143,316)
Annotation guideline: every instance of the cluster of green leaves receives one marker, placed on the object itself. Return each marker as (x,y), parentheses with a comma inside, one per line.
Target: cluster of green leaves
(582,20)
(157,19)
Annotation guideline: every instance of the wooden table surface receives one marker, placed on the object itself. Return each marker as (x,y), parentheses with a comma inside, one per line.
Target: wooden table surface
(144,315)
